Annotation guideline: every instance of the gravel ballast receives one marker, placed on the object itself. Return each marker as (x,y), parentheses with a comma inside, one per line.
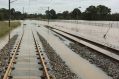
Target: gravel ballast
(110,66)
(59,69)
(105,63)
(4,54)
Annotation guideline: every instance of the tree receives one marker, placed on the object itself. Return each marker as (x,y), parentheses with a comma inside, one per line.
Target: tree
(1,16)
(103,11)
(17,15)
(12,13)
(60,16)
(47,14)
(96,13)
(52,14)
(75,14)
(90,13)
(113,17)
(4,12)
(65,15)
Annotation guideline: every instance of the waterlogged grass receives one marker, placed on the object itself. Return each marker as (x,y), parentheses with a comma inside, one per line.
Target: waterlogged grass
(4,28)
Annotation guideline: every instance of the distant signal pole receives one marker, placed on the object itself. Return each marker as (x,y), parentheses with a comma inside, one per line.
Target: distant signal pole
(9,24)
(10,16)
(48,15)
(9,30)
(23,12)
(78,15)
(9,19)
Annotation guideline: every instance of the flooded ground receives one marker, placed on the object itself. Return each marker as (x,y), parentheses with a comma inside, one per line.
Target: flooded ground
(77,64)
(104,32)
(80,66)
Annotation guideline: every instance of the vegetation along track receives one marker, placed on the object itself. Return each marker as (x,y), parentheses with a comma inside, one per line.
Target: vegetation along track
(4,29)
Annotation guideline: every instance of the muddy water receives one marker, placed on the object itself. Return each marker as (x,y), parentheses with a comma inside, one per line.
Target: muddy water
(80,66)
(92,32)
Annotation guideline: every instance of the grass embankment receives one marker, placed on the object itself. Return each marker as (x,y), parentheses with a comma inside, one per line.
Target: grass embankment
(4,28)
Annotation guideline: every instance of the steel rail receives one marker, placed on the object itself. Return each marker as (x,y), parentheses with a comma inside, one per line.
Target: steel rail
(89,44)
(90,41)
(11,64)
(41,59)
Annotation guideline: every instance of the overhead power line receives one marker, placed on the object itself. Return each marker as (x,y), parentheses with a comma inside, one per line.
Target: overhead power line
(13,1)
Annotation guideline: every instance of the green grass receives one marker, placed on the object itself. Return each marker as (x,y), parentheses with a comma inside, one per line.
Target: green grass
(4,28)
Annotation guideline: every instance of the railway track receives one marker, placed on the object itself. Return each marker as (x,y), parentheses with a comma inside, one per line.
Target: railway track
(14,60)
(14,53)
(110,52)
(15,67)
(38,50)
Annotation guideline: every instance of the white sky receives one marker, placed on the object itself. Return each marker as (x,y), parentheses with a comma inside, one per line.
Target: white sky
(39,6)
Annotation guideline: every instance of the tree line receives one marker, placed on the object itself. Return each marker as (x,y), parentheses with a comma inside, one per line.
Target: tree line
(99,12)
(15,15)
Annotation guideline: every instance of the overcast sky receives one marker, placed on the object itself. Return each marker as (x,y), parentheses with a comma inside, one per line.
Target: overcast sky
(39,6)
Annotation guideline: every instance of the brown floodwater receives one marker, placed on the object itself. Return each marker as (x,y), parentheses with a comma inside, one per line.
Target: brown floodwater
(78,65)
